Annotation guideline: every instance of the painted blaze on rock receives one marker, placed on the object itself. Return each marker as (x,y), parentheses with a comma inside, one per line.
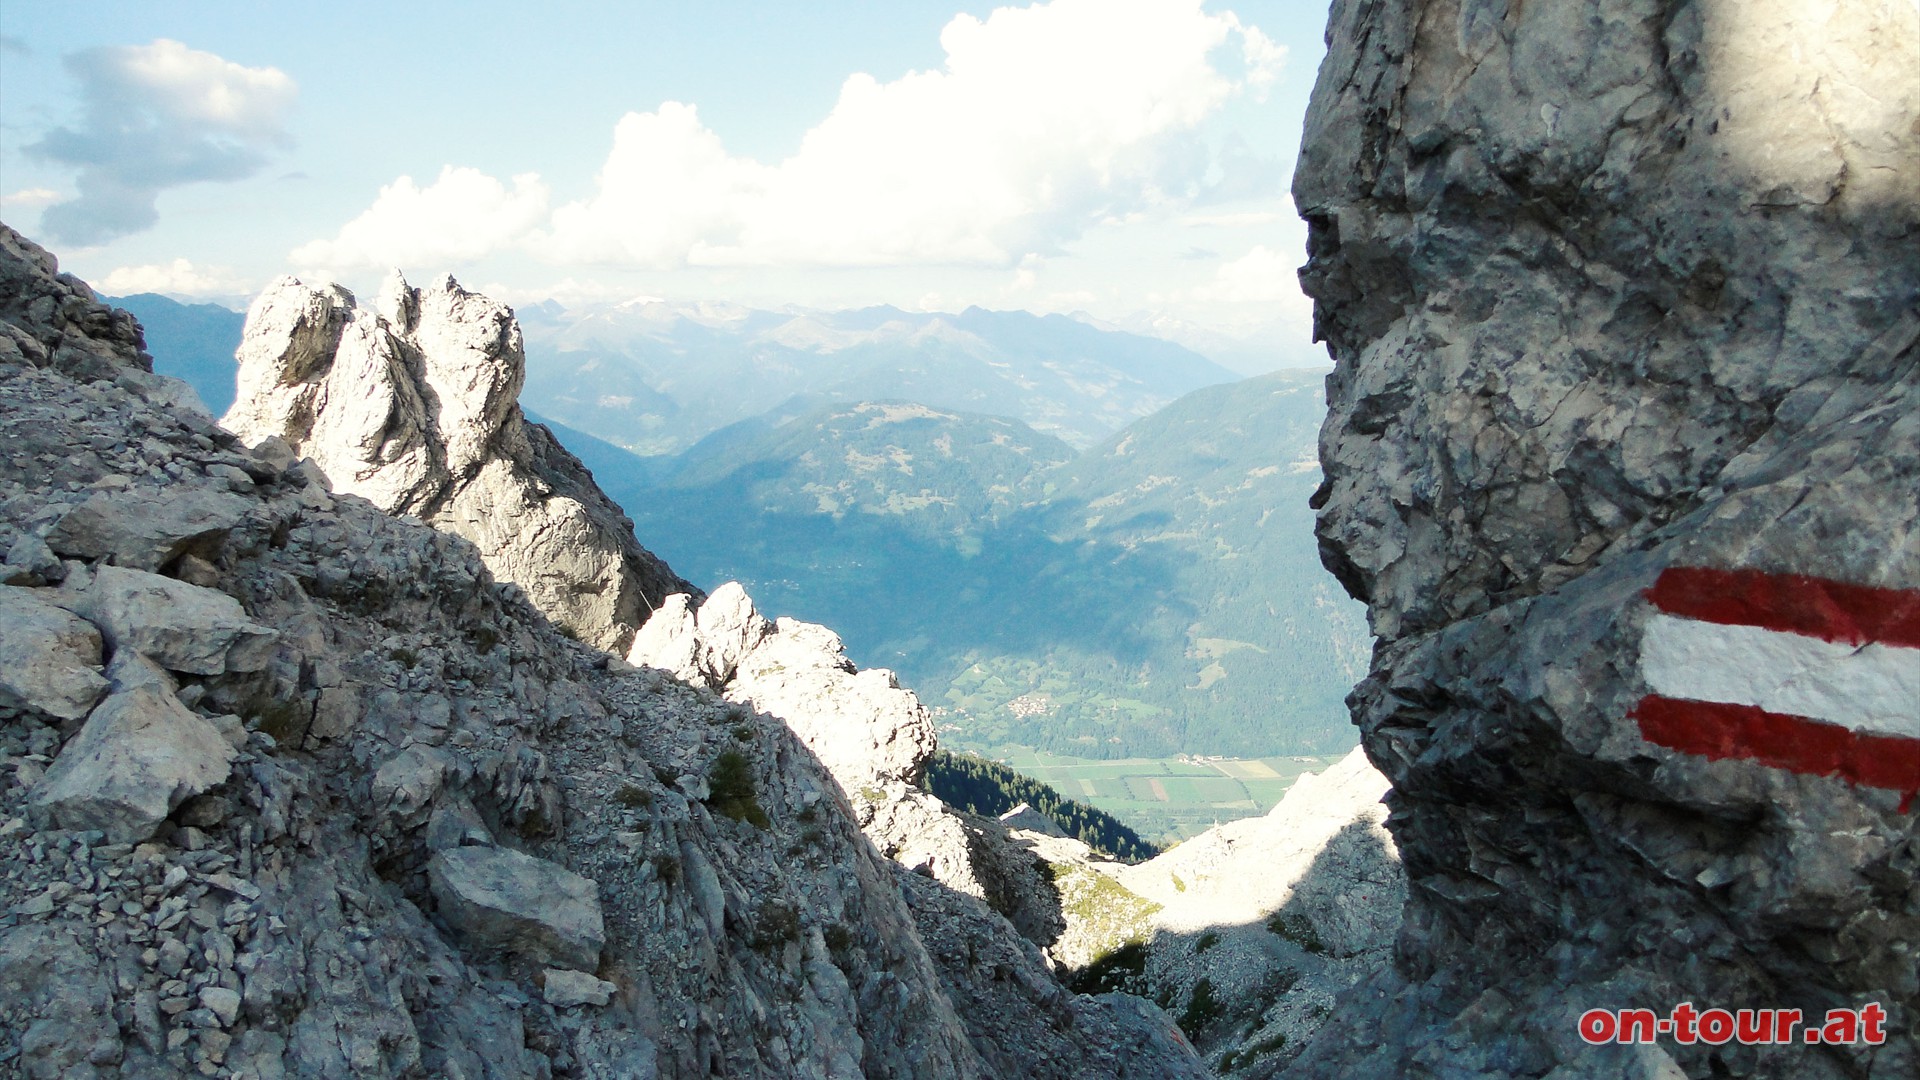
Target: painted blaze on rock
(1788,671)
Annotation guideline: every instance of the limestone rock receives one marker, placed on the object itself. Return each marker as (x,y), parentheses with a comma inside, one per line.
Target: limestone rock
(564,989)
(860,723)
(52,320)
(863,725)
(729,629)
(180,626)
(414,405)
(31,562)
(49,660)
(1024,818)
(64,1005)
(139,755)
(145,529)
(500,898)
(1608,420)
(670,641)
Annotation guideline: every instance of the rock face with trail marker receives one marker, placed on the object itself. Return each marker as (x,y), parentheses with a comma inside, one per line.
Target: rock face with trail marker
(1623,454)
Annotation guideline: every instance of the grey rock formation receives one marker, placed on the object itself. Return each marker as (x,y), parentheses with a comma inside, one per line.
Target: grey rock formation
(145,529)
(501,898)
(411,711)
(414,406)
(564,988)
(181,627)
(49,660)
(873,736)
(140,754)
(1622,302)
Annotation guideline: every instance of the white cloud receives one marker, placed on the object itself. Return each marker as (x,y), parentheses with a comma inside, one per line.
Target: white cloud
(1043,122)
(1259,291)
(1261,276)
(177,278)
(29,197)
(1241,220)
(463,215)
(157,116)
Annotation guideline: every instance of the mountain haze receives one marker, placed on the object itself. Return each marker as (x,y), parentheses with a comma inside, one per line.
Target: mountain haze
(656,377)
(1155,595)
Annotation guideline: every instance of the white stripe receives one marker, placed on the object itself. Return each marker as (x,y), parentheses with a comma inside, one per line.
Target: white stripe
(1869,688)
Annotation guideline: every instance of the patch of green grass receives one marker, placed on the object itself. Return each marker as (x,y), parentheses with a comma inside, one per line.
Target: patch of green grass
(774,924)
(1297,929)
(1123,969)
(286,720)
(633,796)
(1207,941)
(839,939)
(667,867)
(732,792)
(1203,1008)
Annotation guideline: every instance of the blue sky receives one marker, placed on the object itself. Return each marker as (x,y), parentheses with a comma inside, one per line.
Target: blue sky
(1127,158)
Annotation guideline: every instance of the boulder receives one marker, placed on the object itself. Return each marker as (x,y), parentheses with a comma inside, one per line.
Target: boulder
(31,562)
(670,641)
(182,627)
(139,755)
(500,898)
(1024,818)
(565,989)
(49,659)
(146,529)
(861,724)
(729,629)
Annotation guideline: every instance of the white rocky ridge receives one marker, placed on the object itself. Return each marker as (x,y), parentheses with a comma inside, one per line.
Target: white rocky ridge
(414,406)
(873,735)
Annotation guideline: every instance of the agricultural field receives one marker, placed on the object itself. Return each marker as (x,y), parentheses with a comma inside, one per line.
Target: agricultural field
(1166,800)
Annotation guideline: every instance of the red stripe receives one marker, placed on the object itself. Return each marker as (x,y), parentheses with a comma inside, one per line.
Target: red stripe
(1792,603)
(1717,730)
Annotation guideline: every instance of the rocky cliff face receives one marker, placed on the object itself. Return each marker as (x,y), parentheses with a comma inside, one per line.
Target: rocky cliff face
(293,787)
(1622,454)
(414,406)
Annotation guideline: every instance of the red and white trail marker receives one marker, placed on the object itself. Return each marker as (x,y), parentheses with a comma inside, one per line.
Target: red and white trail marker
(1793,672)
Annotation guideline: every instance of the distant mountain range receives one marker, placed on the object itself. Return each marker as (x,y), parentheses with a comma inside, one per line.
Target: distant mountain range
(1160,593)
(656,377)
(1012,511)
(194,342)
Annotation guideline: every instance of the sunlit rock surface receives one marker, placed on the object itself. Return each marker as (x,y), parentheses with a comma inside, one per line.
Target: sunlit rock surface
(414,405)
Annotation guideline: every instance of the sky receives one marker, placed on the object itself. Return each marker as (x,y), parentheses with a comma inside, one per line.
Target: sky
(1126,159)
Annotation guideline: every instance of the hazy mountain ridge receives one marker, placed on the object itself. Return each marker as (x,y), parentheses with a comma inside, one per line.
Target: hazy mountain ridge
(1158,594)
(657,377)
(192,342)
